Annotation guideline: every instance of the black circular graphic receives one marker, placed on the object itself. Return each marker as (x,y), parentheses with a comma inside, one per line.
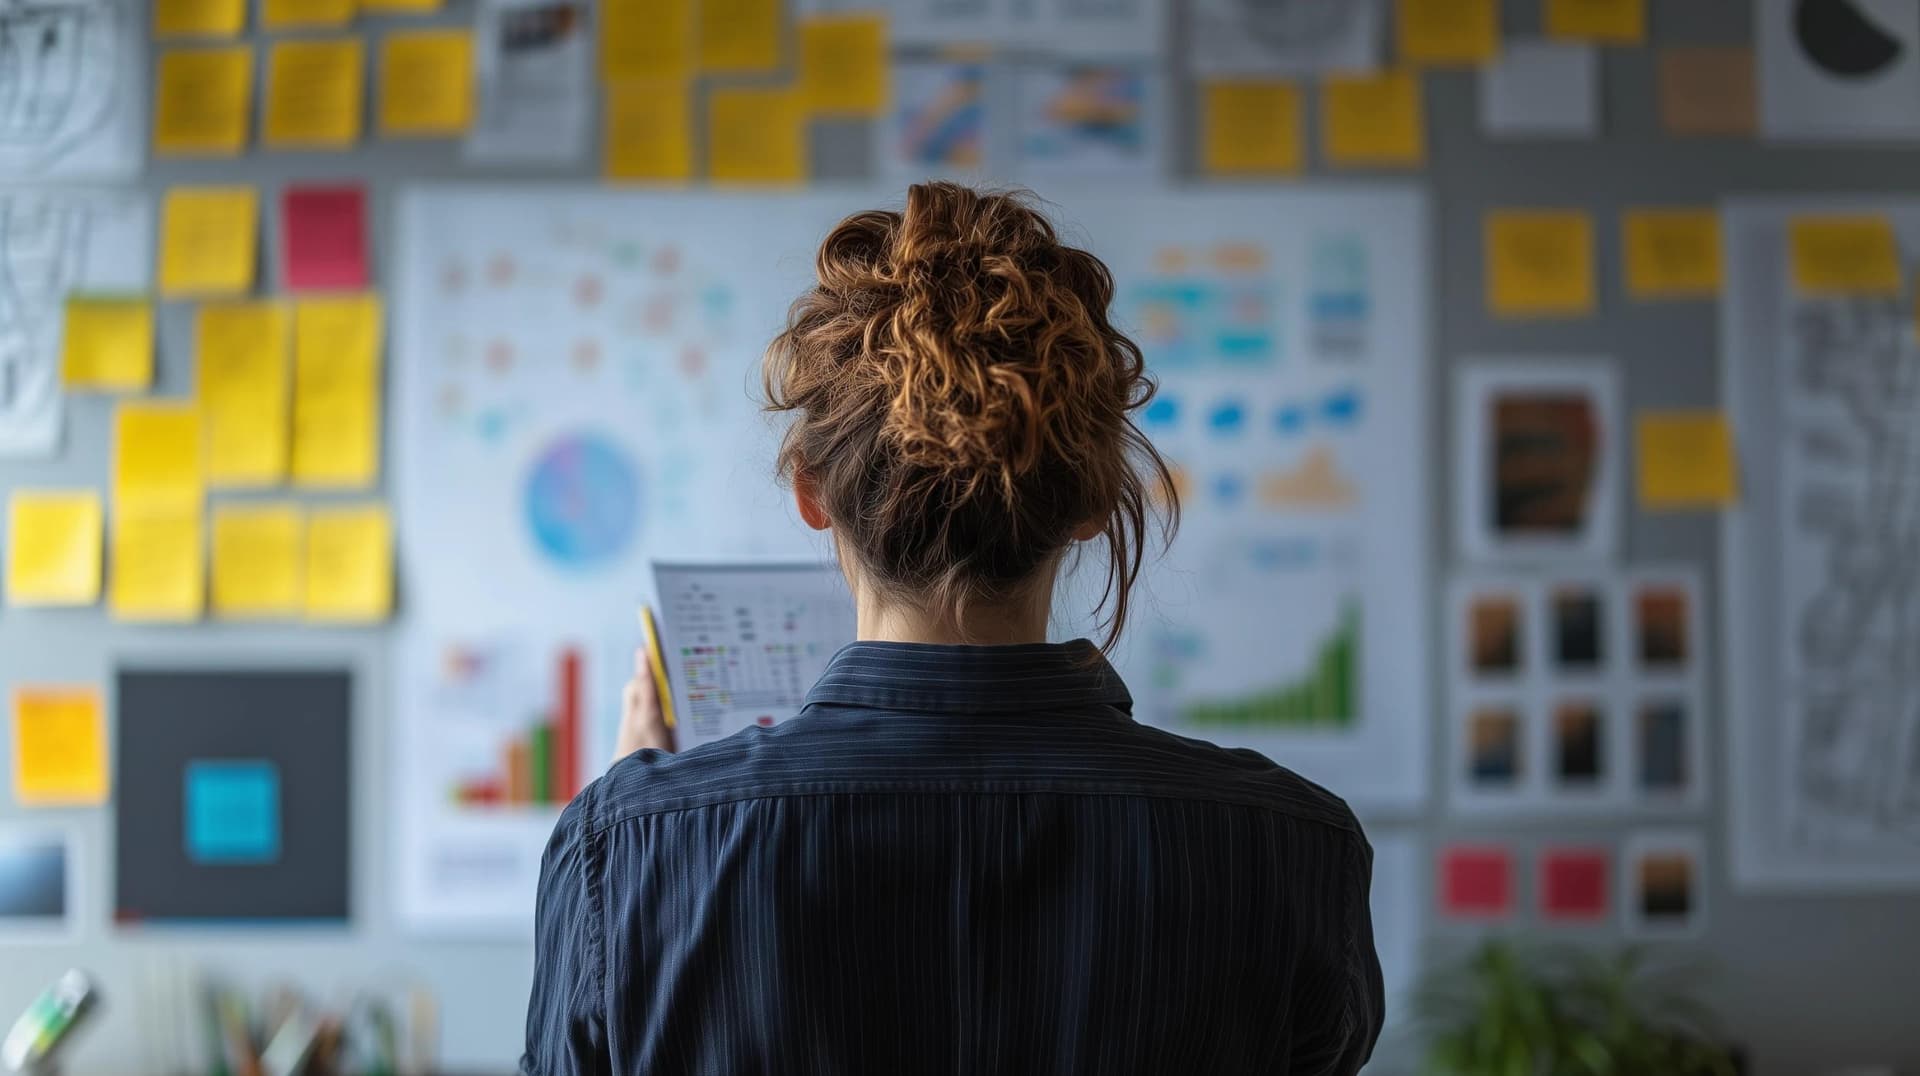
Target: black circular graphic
(1842,41)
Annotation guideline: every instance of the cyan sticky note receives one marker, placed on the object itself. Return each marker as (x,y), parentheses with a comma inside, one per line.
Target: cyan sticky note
(233,811)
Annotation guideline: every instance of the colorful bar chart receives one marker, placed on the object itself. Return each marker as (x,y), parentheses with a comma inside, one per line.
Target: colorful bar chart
(1326,694)
(540,767)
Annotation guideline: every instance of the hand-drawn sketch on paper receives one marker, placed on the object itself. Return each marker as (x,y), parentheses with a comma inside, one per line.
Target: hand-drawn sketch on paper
(70,89)
(1823,569)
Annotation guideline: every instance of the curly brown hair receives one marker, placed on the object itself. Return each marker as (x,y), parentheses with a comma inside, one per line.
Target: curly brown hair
(963,404)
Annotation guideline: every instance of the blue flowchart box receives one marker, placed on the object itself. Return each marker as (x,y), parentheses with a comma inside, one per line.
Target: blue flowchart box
(233,811)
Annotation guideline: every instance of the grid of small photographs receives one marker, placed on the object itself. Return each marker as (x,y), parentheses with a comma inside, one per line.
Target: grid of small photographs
(1578,692)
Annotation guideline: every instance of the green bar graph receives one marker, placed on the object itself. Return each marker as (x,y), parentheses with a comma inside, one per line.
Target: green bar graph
(1326,694)
(540,763)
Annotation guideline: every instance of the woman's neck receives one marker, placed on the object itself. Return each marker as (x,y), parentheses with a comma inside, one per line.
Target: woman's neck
(999,625)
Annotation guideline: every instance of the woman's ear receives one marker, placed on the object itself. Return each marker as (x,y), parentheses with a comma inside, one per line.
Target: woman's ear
(806,497)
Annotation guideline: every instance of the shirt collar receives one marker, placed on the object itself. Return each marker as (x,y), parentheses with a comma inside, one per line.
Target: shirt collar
(935,678)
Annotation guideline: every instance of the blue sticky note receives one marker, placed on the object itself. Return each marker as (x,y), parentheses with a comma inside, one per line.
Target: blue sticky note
(233,811)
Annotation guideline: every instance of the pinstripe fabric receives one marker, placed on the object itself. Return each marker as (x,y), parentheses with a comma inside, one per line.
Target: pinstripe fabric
(955,860)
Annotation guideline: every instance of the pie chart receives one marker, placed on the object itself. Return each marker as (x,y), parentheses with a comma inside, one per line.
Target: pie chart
(1842,40)
(582,501)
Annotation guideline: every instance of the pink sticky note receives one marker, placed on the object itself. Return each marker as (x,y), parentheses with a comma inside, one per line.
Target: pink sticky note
(1573,884)
(1476,882)
(323,238)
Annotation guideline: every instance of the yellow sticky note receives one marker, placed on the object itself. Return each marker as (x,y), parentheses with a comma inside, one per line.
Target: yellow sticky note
(300,14)
(1615,22)
(1671,253)
(1373,120)
(156,454)
(159,563)
(1845,255)
(199,18)
(203,101)
(336,390)
(241,354)
(426,83)
(257,560)
(644,39)
(59,746)
(739,36)
(649,130)
(107,344)
(756,135)
(350,564)
(843,64)
(1449,32)
(53,547)
(1686,459)
(209,240)
(1252,128)
(315,93)
(1539,263)
(400,7)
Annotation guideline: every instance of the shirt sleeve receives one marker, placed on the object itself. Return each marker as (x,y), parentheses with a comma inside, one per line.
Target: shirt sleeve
(566,1020)
(1338,1036)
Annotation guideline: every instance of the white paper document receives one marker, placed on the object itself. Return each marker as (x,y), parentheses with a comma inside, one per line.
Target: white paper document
(744,642)
(533,66)
(1539,89)
(1284,37)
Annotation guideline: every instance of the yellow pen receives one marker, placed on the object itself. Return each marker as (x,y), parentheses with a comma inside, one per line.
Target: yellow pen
(657,658)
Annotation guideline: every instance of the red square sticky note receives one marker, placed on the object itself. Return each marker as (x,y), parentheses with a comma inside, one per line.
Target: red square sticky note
(323,238)
(1476,883)
(1573,884)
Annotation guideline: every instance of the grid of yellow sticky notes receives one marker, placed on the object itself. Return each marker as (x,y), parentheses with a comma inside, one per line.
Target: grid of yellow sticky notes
(843,64)
(1252,128)
(199,18)
(240,351)
(1844,255)
(1686,460)
(107,344)
(739,36)
(301,14)
(426,83)
(159,565)
(1614,22)
(203,101)
(1449,32)
(349,576)
(648,130)
(53,547)
(644,39)
(316,92)
(1672,253)
(1539,263)
(156,454)
(257,560)
(336,391)
(59,746)
(1373,120)
(756,135)
(209,240)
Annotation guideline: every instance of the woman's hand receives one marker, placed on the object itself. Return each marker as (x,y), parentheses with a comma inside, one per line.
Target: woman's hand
(642,721)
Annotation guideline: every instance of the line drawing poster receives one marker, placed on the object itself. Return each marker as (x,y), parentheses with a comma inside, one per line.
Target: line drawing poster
(1285,37)
(54,244)
(1821,598)
(72,89)
(576,377)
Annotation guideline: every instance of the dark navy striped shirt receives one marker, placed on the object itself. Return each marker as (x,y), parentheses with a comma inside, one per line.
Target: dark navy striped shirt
(955,860)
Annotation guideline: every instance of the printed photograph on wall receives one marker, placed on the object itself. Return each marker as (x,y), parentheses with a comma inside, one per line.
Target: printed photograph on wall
(1539,467)
(39,890)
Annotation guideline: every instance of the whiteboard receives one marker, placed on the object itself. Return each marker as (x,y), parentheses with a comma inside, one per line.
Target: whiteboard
(1821,599)
(576,376)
